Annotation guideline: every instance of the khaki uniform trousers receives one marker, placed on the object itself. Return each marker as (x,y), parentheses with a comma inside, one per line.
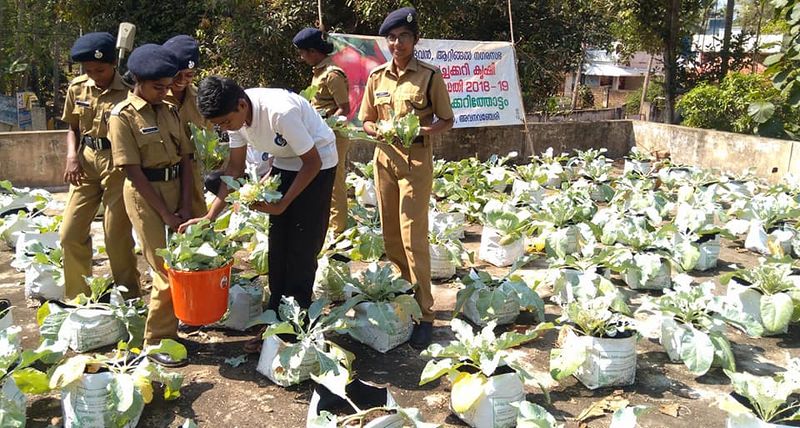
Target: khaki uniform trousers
(161,320)
(199,207)
(338,220)
(102,184)
(403,180)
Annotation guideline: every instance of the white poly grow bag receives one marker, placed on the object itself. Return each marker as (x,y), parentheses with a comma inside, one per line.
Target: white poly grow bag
(244,304)
(6,320)
(661,280)
(508,313)
(85,403)
(709,254)
(493,407)
(13,401)
(491,251)
(269,364)
(456,221)
(14,225)
(609,362)
(372,336)
(757,239)
(86,329)
(45,282)
(365,193)
(364,395)
(748,301)
(748,420)
(23,254)
(441,265)
(642,167)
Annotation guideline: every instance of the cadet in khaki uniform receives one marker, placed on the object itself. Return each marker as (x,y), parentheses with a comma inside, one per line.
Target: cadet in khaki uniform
(331,100)
(152,145)
(404,177)
(183,94)
(90,171)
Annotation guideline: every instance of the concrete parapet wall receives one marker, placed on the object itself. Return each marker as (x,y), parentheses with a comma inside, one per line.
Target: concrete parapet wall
(33,159)
(37,158)
(771,158)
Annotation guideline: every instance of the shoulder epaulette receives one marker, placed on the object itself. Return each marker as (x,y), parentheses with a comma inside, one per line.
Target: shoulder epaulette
(80,79)
(379,68)
(428,66)
(118,108)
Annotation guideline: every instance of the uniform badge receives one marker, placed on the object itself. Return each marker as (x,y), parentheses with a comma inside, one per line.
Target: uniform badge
(264,156)
(409,18)
(149,130)
(280,141)
(191,64)
(381,94)
(83,103)
(98,54)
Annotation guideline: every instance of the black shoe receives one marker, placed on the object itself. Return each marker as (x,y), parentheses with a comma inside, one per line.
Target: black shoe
(422,335)
(4,304)
(166,361)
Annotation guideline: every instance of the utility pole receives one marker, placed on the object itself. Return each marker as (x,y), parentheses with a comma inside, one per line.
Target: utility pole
(646,85)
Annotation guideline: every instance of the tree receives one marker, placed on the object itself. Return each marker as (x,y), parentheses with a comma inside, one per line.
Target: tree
(658,27)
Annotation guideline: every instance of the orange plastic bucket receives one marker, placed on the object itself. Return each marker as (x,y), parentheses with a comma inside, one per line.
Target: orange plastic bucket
(200,297)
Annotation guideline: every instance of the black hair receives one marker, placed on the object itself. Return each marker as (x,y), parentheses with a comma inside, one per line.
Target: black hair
(218,96)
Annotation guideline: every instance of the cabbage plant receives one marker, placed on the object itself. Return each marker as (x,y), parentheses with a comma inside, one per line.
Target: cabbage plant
(693,325)
(133,375)
(304,333)
(493,294)
(200,247)
(472,358)
(768,397)
(390,293)
(776,301)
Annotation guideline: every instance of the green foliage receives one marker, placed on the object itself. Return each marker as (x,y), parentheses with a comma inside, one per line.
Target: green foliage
(199,248)
(768,396)
(585,97)
(743,103)
(655,94)
(208,149)
(133,376)
(493,294)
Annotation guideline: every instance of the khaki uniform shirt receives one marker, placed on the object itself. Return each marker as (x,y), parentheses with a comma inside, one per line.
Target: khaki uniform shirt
(188,111)
(332,84)
(87,107)
(148,135)
(419,88)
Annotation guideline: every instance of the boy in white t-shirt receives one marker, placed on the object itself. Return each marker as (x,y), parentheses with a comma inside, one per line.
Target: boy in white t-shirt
(284,125)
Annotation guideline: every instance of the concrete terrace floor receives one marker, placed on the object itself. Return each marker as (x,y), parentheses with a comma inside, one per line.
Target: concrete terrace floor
(216,394)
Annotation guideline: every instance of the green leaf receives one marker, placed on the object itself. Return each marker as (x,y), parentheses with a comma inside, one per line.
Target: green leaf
(31,381)
(565,362)
(122,388)
(626,417)
(69,371)
(284,327)
(697,351)
(723,354)
(434,370)
(776,311)
(761,111)
(534,416)
(175,350)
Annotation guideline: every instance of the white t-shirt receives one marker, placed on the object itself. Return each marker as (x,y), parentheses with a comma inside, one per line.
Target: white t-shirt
(286,126)
(257,159)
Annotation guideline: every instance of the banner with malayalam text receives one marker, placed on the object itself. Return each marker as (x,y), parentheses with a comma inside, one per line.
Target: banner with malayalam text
(481,77)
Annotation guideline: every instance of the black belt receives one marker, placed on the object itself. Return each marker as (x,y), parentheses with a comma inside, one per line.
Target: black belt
(163,174)
(96,144)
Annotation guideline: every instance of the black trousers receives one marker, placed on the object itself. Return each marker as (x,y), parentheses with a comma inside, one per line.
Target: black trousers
(296,238)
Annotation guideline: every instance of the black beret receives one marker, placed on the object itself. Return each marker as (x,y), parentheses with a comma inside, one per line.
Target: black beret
(311,38)
(403,16)
(152,62)
(186,49)
(94,47)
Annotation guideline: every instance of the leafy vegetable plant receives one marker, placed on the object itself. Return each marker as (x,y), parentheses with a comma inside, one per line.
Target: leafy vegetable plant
(200,247)
(133,375)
